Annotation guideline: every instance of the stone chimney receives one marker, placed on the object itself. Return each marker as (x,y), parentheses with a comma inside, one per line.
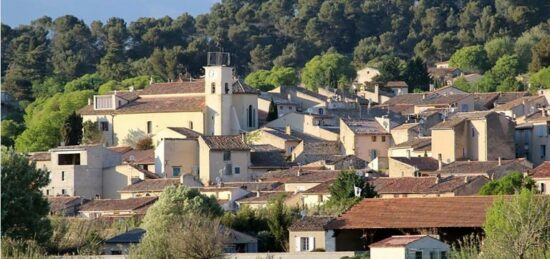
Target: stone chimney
(299,172)
(288,130)
(499,161)
(466,179)
(424,96)
(257,193)
(408,154)
(437,178)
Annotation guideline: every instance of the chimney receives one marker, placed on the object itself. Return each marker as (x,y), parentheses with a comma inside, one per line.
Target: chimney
(466,179)
(131,89)
(499,161)
(376,89)
(423,96)
(289,97)
(257,193)
(409,154)
(437,178)
(243,137)
(89,101)
(543,112)
(181,179)
(299,172)
(440,162)
(288,130)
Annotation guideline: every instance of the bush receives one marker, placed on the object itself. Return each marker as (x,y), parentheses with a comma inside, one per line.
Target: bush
(18,248)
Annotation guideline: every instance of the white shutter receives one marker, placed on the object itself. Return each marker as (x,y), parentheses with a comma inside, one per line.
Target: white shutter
(311,243)
(298,244)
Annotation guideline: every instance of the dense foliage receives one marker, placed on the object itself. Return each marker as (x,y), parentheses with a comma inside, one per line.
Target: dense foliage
(509,184)
(24,208)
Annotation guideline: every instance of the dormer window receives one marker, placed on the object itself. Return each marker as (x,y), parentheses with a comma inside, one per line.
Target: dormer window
(213,87)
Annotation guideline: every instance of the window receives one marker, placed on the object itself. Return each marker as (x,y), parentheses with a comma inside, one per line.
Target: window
(68,159)
(213,88)
(226,155)
(104,125)
(304,243)
(542,188)
(373,138)
(176,171)
(250,117)
(443,255)
(62,175)
(418,255)
(63,191)
(321,111)
(149,127)
(373,154)
(383,138)
(228,169)
(542,151)
(190,125)
(464,108)
(237,170)
(433,255)
(47,192)
(226,88)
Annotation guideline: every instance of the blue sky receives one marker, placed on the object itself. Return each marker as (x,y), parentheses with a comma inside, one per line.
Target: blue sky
(16,12)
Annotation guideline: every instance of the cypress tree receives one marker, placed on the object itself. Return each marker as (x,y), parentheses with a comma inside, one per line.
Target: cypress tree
(273,113)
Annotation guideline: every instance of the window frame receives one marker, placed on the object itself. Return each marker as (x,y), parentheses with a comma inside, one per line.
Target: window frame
(227,155)
(149,127)
(304,244)
(104,125)
(237,170)
(174,168)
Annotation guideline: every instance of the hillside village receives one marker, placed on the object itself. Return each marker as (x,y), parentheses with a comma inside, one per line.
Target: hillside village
(426,155)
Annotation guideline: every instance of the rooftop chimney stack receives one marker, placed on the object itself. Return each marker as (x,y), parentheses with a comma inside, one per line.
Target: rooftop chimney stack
(439,162)
(408,154)
(288,130)
(499,161)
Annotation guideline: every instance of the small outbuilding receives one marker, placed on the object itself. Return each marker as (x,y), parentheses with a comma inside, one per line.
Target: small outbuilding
(410,246)
(119,244)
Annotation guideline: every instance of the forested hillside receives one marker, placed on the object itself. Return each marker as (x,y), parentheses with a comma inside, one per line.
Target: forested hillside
(59,56)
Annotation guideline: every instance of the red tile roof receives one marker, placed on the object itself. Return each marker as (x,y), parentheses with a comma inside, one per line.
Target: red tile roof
(117,205)
(310,223)
(120,149)
(139,156)
(153,105)
(396,84)
(422,163)
(421,185)
(314,176)
(460,211)
(234,142)
(398,241)
(151,185)
(179,87)
(541,171)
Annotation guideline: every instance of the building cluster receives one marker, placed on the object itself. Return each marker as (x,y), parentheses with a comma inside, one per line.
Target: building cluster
(426,154)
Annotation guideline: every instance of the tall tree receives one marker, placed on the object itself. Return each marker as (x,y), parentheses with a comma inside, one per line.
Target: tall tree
(279,218)
(261,58)
(540,55)
(470,59)
(273,112)
(416,75)
(113,64)
(71,130)
(73,54)
(328,70)
(24,208)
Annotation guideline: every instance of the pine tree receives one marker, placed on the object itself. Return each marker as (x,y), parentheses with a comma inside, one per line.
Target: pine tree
(273,113)
(71,131)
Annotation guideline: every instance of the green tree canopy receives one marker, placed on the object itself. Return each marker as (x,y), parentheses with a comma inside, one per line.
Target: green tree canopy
(509,184)
(518,227)
(470,59)
(541,79)
(85,82)
(266,80)
(499,47)
(328,70)
(24,208)
(174,204)
(540,55)
(44,118)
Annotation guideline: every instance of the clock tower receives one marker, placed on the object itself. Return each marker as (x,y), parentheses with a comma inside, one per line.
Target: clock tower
(218,90)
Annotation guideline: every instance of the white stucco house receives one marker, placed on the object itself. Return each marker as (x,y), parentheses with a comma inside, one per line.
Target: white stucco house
(409,247)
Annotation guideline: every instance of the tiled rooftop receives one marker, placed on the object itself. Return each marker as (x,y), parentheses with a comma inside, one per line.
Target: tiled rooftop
(365,127)
(397,241)
(420,185)
(400,213)
(151,185)
(186,132)
(310,223)
(541,171)
(233,142)
(139,156)
(179,87)
(117,205)
(153,105)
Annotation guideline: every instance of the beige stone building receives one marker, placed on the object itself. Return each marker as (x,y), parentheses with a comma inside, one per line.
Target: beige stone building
(367,74)
(522,107)
(398,87)
(309,234)
(481,136)
(366,139)
(218,104)
(284,106)
(541,175)
(411,166)
(223,159)
(417,147)
(533,138)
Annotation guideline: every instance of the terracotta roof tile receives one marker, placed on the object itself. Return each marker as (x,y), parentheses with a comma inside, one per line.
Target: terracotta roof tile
(264,197)
(233,142)
(186,132)
(489,168)
(415,143)
(60,203)
(517,102)
(114,205)
(366,127)
(323,188)
(269,159)
(314,176)
(420,185)
(396,84)
(153,105)
(422,163)
(415,213)
(397,241)
(284,175)
(120,149)
(179,87)
(310,223)
(139,156)
(541,171)
(151,185)
(240,87)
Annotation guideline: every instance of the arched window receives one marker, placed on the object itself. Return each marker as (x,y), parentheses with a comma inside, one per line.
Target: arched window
(250,118)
